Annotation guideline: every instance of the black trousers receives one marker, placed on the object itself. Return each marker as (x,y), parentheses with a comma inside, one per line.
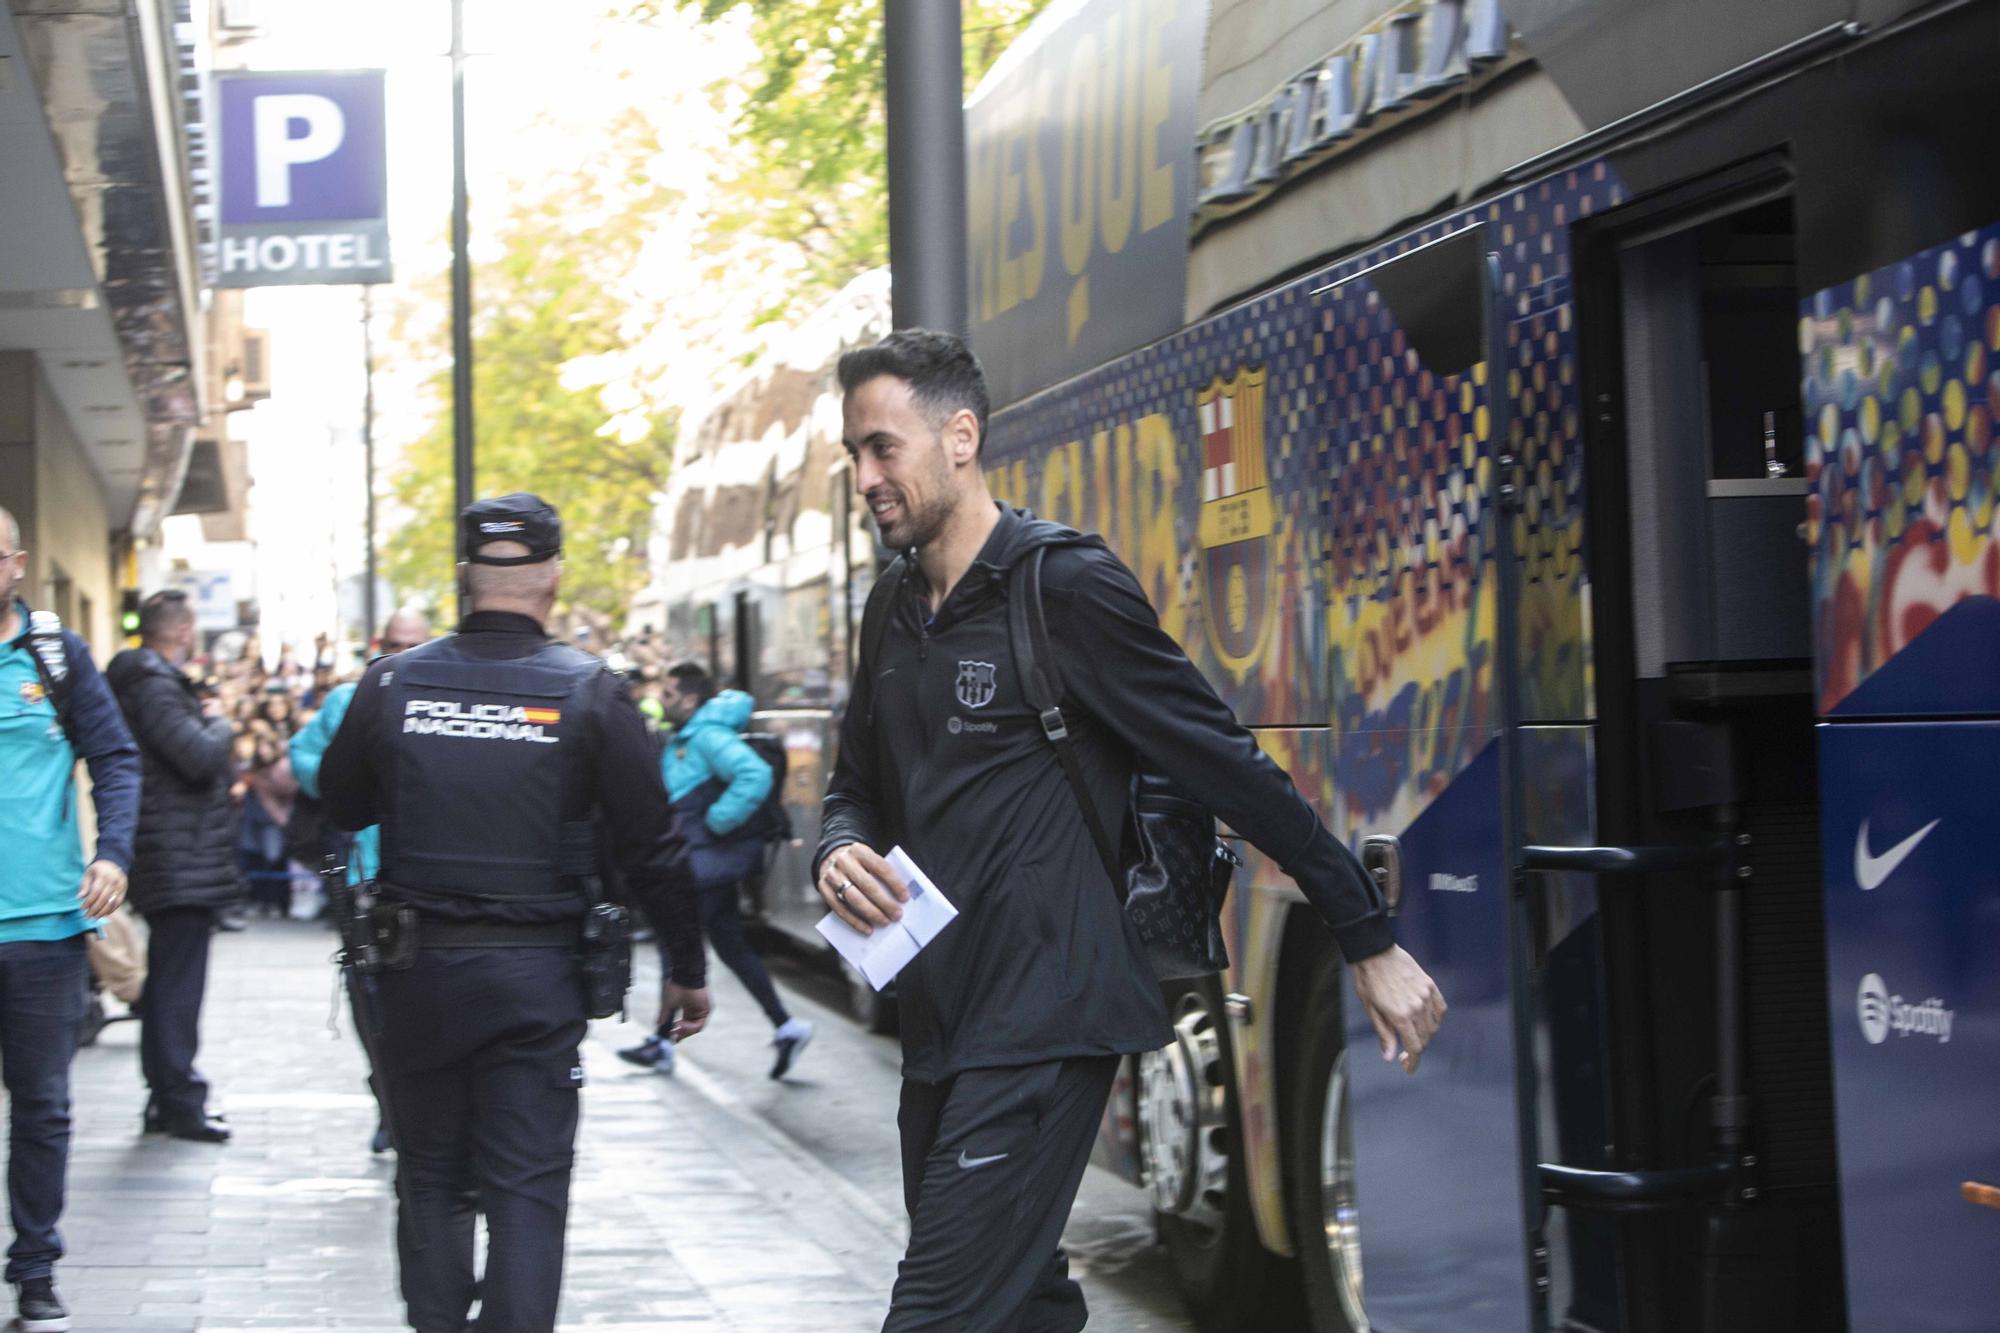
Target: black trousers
(478,1066)
(992,1159)
(43,985)
(722,926)
(170,1010)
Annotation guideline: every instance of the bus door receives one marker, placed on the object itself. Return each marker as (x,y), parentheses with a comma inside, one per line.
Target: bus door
(1718,1195)
(1423,1175)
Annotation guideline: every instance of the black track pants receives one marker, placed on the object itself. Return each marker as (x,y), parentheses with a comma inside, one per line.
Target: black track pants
(478,1064)
(992,1159)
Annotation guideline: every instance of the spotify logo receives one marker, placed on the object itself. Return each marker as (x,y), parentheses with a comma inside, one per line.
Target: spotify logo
(1873,1001)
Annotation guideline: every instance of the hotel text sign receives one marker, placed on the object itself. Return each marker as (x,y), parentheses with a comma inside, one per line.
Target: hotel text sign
(304,178)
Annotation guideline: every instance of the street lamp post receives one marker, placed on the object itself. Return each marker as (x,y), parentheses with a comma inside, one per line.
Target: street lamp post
(461,287)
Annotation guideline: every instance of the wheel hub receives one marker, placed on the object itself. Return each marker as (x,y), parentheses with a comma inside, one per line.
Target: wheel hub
(1183,1115)
(1337,1196)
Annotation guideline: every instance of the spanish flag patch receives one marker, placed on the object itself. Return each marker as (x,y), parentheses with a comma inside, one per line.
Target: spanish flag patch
(542,715)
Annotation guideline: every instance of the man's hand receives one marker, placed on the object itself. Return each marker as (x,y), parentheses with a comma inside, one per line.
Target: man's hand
(690,1003)
(859,887)
(1402,1001)
(103,889)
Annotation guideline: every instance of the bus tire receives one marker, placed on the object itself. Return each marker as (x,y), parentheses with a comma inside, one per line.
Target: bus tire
(1228,1280)
(1319,1162)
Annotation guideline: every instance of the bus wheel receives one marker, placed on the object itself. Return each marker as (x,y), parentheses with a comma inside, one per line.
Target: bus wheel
(1319,1165)
(1191,1146)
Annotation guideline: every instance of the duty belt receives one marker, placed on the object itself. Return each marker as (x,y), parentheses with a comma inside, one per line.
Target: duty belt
(433,933)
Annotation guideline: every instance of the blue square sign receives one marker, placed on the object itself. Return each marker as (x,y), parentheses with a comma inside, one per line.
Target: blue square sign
(304,178)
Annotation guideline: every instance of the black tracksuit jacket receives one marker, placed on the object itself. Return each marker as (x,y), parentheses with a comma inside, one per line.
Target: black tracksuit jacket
(1042,963)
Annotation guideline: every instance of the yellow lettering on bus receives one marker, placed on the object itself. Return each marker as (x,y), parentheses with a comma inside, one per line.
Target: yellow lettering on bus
(1156,197)
(1075,189)
(1118,129)
(1031,262)
(1155,555)
(981,206)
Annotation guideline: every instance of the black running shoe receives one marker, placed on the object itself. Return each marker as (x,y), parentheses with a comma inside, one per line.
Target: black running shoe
(655,1052)
(39,1308)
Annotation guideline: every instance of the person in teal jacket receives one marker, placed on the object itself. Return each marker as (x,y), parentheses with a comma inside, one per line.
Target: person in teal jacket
(50,897)
(405,629)
(716,782)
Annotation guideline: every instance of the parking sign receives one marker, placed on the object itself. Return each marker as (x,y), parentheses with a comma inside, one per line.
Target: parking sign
(304,178)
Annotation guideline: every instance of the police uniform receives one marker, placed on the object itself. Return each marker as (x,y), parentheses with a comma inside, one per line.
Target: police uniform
(485,756)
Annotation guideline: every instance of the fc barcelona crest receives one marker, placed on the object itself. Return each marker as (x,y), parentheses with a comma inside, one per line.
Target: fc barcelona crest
(1236,518)
(975,684)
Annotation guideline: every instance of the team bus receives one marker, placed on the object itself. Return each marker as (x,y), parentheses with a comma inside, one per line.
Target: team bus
(1564,430)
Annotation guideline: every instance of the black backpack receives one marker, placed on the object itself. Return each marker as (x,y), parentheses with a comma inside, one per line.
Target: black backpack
(770,822)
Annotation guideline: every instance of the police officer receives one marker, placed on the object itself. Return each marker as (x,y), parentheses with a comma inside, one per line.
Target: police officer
(485,756)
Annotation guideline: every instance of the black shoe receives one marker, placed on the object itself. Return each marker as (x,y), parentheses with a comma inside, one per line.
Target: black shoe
(40,1309)
(380,1143)
(203,1128)
(655,1052)
(154,1121)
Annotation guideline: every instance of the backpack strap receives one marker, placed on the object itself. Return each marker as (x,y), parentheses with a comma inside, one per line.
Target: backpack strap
(51,657)
(1028,631)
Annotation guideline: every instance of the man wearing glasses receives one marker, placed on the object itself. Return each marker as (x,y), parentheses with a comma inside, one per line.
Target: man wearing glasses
(54,709)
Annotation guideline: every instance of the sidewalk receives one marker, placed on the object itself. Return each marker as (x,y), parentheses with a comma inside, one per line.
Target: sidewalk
(688,1211)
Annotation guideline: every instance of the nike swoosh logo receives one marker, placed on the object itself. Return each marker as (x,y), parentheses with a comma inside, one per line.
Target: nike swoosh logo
(1869,870)
(969,1163)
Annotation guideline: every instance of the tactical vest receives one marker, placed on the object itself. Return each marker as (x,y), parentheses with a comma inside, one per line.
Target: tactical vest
(484,756)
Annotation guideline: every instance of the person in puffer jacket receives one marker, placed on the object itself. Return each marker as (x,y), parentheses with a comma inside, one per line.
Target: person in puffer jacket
(716,783)
(184,867)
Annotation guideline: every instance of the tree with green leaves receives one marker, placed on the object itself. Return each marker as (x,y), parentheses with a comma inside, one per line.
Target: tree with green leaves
(548,307)
(811,136)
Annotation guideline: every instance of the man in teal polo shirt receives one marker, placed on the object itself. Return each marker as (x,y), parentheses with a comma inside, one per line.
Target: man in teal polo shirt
(48,900)
(405,629)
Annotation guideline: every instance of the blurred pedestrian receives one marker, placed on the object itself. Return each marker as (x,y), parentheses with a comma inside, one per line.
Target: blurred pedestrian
(1014,1018)
(718,786)
(184,867)
(54,709)
(404,630)
(486,756)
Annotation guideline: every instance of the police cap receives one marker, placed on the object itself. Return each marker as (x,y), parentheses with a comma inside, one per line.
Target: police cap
(520,517)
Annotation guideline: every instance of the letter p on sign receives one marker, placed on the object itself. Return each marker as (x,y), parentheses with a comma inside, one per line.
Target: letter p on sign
(279,149)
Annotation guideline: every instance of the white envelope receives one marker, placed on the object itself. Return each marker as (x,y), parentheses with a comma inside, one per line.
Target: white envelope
(880,956)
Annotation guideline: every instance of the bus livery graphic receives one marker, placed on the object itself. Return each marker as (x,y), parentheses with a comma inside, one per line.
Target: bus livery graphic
(1236,518)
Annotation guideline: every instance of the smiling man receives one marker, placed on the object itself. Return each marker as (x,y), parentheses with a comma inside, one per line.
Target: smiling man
(1015,1017)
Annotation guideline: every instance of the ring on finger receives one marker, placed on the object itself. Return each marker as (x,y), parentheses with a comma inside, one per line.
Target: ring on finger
(840,890)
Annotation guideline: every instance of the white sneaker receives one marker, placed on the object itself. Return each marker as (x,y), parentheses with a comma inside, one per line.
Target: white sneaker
(790,1039)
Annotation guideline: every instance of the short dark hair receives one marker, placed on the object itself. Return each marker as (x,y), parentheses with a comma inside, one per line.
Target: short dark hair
(164,610)
(693,678)
(943,374)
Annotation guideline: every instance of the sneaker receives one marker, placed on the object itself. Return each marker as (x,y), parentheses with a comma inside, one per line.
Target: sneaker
(655,1052)
(790,1039)
(40,1309)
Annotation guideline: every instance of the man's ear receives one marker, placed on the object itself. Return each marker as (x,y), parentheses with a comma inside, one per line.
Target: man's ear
(962,436)
(464,580)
